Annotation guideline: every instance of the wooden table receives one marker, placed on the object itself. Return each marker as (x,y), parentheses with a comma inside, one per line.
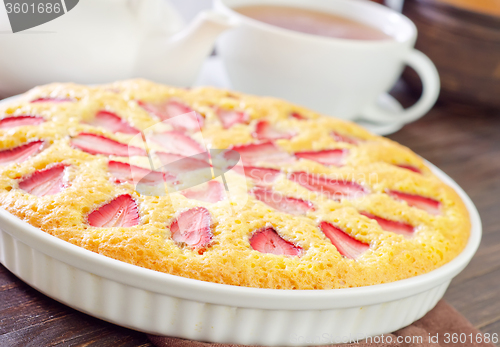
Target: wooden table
(462,140)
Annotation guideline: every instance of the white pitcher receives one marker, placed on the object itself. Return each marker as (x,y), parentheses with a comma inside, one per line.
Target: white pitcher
(102,41)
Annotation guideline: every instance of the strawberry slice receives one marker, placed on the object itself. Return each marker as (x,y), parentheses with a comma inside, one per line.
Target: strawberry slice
(123,172)
(97,144)
(212,191)
(111,122)
(266,131)
(177,143)
(297,116)
(267,240)
(259,174)
(389,225)
(427,204)
(120,212)
(332,188)
(411,168)
(193,228)
(191,120)
(228,118)
(166,109)
(22,120)
(48,181)
(335,157)
(348,246)
(193,170)
(223,160)
(50,99)
(282,203)
(263,152)
(344,138)
(178,164)
(20,153)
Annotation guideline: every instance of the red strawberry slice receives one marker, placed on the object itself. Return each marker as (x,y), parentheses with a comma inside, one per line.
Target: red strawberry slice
(266,131)
(122,212)
(334,157)
(259,174)
(212,191)
(123,172)
(344,138)
(191,120)
(427,204)
(228,118)
(48,181)
(223,160)
(392,226)
(111,122)
(266,152)
(20,153)
(174,108)
(267,240)
(193,228)
(297,116)
(348,246)
(22,120)
(49,99)
(332,188)
(282,203)
(177,143)
(411,168)
(178,164)
(97,144)
(165,110)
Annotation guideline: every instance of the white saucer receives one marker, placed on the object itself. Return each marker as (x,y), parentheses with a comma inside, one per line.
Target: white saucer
(388,102)
(213,74)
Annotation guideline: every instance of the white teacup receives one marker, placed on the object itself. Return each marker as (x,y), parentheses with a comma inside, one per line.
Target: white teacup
(338,77)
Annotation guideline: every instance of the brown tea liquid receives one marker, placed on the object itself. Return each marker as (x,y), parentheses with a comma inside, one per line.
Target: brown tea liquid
(312,22)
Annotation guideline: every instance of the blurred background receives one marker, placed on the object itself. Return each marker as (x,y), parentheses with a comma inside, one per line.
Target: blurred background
(461,37)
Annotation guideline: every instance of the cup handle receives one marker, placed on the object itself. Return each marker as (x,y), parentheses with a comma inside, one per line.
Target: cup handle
(430,82)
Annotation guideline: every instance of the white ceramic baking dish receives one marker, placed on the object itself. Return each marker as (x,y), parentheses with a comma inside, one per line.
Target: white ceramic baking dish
(163,304)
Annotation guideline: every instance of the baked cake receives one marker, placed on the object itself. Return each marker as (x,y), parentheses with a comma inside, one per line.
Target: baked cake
(313,202)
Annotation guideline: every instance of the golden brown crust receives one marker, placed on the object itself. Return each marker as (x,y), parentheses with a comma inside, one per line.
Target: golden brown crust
(230,259)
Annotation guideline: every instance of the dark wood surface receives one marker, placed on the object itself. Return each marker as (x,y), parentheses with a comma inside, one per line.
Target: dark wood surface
(464,46)
(462,140)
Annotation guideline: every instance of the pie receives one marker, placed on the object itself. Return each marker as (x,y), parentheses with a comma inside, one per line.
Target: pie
(224,187)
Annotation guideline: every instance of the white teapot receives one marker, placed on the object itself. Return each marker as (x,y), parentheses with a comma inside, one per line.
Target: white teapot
(100,41)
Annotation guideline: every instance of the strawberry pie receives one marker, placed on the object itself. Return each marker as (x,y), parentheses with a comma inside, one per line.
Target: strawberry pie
(224,187)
